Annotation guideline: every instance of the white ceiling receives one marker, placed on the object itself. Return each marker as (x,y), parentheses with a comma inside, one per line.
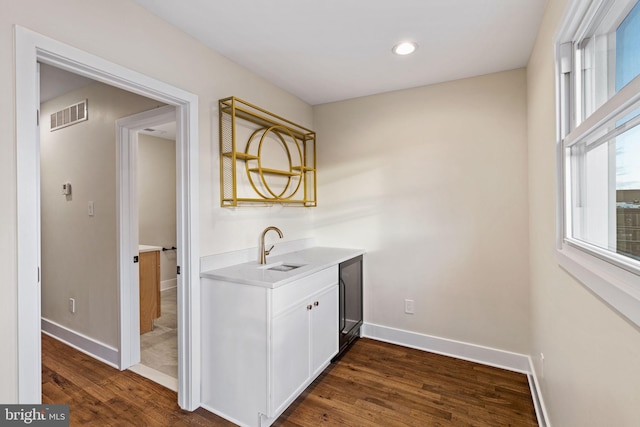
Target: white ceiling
(331,50)
(164,131)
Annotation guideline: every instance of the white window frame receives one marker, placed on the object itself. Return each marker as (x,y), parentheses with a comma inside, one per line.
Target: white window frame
(612,277)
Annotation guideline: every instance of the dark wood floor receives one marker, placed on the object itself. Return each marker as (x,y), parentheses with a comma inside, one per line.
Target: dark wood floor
(99,395)
(379,384)
(374,384)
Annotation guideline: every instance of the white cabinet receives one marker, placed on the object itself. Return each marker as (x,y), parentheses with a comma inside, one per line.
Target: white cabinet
(304,338)
(261,347)
(290,355)
(324,330)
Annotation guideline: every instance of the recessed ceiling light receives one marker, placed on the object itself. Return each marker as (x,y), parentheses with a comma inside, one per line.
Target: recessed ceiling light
(405,48)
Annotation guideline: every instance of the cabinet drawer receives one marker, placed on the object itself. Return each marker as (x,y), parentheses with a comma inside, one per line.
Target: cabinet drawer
(292,293)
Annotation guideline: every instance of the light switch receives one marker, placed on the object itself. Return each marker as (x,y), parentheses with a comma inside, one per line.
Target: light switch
(90,209)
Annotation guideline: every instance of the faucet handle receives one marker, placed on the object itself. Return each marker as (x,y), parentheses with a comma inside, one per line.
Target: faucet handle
(267,251)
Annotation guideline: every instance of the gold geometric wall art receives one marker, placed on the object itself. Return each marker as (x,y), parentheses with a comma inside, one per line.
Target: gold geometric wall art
(264,158)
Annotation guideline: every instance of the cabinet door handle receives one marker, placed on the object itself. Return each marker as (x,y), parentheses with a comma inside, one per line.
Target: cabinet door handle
(343,305)
(309,307)
(316,303)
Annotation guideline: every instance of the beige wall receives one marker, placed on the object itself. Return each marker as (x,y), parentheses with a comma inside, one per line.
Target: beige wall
(157,200)
(121,32)
(79,252)
(432,182)
(591,369)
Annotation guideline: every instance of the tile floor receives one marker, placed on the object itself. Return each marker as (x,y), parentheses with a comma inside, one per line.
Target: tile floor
(159,348)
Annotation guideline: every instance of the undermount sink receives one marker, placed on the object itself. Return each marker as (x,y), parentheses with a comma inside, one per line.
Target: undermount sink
(284,267)
(281,266)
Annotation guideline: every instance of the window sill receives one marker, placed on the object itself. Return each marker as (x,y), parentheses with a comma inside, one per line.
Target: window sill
(616,286)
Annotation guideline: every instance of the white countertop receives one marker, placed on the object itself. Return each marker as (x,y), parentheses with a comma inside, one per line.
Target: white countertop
(148,248)
(312,261)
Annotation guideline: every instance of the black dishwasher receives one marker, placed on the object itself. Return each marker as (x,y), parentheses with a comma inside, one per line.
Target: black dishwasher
(350,307)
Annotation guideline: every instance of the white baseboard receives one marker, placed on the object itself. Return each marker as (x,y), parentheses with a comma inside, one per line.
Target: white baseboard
(474,353)
(536,394)
(80,342)
(460,350)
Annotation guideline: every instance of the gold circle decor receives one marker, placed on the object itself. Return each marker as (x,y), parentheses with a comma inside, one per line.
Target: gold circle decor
(293,174)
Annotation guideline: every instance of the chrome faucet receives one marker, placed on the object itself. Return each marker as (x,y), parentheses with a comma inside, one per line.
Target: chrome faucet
(264,252)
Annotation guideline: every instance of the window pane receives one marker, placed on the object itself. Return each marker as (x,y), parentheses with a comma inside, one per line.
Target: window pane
(605,196)
(628,224)
(628,193)
(628,160)
(628,143)
(609,54)
(628,48)
(592,209)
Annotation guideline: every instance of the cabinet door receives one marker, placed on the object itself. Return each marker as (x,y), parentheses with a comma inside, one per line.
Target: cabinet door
(290,354)
(149,289)
(324,329)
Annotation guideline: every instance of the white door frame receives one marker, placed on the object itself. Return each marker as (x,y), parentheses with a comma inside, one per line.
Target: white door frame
(31,48)
(127,130)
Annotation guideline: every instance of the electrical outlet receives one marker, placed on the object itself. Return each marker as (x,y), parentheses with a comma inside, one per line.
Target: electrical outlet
(409,306)
(90,207)
(72,305)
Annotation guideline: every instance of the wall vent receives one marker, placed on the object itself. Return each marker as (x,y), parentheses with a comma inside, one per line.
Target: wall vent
(71,115)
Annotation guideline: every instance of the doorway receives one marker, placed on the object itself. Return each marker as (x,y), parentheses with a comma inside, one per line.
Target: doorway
(149,140)
(32,48)
(78,188)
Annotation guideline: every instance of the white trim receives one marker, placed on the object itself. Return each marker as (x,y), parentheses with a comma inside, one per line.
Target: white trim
(28,219)
(31,48)
(87,345)
(536,394)
(616,106)
(614,285)
(127,129)
(188,256)
(127,246)
(474,353)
